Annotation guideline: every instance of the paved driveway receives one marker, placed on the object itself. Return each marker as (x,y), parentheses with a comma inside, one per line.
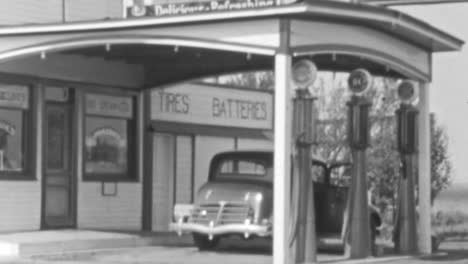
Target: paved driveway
(453,253)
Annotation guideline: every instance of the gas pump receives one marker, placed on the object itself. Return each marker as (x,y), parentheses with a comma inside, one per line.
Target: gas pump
(407,114)
(304,131)
(357,234)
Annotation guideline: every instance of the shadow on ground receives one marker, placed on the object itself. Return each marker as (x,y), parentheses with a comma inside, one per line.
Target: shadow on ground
(452,250)
(448,255)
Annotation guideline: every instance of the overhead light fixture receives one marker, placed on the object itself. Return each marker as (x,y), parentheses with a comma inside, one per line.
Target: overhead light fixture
(176,49)
(249,56)
(108,47)
(43,55)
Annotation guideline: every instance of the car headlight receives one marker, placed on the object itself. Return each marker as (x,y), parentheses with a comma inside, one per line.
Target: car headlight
(183,211)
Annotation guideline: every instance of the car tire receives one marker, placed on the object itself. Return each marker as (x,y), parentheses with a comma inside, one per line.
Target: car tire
(203,243)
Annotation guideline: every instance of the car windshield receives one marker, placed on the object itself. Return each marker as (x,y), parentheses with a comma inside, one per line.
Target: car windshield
(242,168)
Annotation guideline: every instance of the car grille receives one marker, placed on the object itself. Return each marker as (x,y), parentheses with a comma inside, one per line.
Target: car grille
(221,213)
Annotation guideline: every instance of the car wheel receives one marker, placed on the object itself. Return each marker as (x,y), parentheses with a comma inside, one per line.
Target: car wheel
(203,243)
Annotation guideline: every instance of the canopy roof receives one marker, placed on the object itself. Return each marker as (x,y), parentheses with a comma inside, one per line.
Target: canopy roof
(189,58)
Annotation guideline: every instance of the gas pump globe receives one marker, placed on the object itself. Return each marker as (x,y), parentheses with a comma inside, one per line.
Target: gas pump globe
(358,109)
(407,114)
(407,139)
(305,114)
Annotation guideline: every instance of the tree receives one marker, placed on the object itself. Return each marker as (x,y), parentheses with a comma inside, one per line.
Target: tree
(383,161)
(441,166)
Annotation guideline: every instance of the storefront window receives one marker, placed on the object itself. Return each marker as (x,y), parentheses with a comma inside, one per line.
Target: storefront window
(14,108)
(11,140)
(108,145)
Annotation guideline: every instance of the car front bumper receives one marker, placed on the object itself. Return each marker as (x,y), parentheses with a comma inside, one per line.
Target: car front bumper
(211,230)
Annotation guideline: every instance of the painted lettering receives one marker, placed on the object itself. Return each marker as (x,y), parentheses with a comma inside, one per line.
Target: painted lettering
(239,109)
(174,102)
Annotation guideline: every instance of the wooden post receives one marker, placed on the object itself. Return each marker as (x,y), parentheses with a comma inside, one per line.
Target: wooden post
(424,165)
(282,159)
(147,173)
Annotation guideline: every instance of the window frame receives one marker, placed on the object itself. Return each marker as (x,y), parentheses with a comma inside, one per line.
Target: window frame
(29,130)
(236,176)
(132,174)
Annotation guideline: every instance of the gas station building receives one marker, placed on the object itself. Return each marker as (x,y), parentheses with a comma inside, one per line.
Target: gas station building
(102,125)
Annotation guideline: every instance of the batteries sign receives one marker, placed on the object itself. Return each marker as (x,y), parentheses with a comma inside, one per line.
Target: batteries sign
(359,81)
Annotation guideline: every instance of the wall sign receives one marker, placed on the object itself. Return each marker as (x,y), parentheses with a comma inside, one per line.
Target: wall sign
(141,8)
(57,94)
(14,96)
(210,105)
(107,105)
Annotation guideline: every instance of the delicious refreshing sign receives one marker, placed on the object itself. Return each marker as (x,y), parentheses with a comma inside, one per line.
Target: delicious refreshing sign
(141,8)
(107,105)
(14,96)
(210,105)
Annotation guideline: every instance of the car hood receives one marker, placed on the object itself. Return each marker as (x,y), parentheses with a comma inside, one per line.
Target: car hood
(214,192)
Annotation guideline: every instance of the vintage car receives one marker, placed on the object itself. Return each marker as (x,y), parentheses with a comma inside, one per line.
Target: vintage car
(238,200)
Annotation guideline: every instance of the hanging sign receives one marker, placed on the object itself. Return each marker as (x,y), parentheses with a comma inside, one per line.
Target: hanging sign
(142,8)
(57,94)
(107,105)
(211,105)
(14,96)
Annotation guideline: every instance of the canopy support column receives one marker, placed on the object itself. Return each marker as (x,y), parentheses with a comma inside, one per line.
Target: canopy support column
(282,159)
(424,176)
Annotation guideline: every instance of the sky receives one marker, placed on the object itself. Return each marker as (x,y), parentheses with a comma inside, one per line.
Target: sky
(449,88)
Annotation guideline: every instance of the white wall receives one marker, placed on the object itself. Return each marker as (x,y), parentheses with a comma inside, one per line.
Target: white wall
(20,204)
(205,148)
(163,181)
(51,11)
(122,211)
(184,169)
(249,144)
(95,211)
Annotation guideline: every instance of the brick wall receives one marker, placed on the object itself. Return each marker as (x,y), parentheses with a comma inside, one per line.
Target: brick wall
(20,204)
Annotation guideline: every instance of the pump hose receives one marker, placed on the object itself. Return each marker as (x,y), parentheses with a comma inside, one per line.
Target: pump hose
(396,212)
(294,201)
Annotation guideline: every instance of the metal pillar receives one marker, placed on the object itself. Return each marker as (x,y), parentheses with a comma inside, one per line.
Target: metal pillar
(407,116)
(358,238)
(310,223)
(424,165)
(282,159)
(406,226)
(304,134)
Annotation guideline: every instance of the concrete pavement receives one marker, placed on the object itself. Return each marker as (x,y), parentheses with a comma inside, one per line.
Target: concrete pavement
(229,252)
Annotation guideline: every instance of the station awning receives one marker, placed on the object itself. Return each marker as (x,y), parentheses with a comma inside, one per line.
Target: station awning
(169,49)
